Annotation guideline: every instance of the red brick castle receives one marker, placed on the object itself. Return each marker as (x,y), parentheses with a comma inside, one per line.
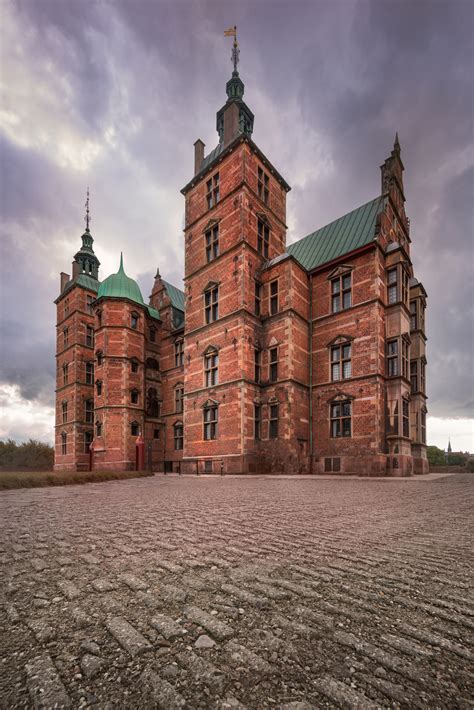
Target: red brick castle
(308,358)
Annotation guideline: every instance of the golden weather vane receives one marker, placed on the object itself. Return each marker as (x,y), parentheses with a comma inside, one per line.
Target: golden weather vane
(232,32)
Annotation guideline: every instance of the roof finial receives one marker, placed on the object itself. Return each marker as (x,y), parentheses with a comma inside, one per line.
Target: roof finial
(232,32)
(121,261)
(396,145)
(87,218)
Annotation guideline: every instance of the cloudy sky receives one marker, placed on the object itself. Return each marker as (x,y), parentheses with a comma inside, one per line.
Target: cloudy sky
(112,94)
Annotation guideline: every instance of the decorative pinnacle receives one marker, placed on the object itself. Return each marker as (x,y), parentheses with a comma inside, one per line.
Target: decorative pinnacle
(396,144)
(121,262)
(232,32)
(87,218)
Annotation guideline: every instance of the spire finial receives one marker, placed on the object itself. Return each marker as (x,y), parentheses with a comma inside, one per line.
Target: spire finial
(87,218)
(121,261)
(396,144)
(232,32)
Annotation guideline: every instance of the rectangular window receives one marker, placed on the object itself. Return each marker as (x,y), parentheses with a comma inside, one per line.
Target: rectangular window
(90,300)
(258,364)
(211,364)
(273,297)
(179,353)
(89,336)
(134,396)
(392,285)
(258,298)
(406,418)
(423,427)
(413,316)
(134,365)
(392,358)
(100,358)
(212,243)
(64,443)
(414,376)
(65,373)
(405,286)
(134,429)
(341,293)
(212,191)
(211,304)
(273,421)
(66,307)
(178,437)
(88,436)
(134,321)
(392,418)
(156,433)
(210,423)
(89,411)
(273,365)
(263,238)
(422,375)
(263,183)
(178,399)
(405,359)
(257,416)
(341,419)
(98,386)
(89,373)
(341,366)
(65,337)
(64,407)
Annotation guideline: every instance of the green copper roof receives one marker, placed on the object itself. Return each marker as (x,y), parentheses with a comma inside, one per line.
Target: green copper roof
(153,313)
(176,296)
(83,280)
(120,285)
(350,232)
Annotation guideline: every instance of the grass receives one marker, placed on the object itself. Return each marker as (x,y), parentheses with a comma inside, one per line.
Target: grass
(38,479)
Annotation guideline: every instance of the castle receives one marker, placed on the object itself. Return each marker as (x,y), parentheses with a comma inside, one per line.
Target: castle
(308,358)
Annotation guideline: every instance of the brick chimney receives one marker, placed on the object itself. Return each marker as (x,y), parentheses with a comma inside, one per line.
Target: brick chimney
(198,155)
(231,122)
(75,269)
(64,279)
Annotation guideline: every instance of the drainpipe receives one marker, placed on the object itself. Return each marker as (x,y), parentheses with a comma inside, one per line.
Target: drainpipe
(311,443)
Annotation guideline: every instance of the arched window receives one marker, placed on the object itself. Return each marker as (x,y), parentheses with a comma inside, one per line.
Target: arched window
(153,405)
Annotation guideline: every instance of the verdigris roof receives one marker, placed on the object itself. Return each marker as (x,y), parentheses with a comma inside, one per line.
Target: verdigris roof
(153,313)
(350,232)
(175,294)
(120,285)
(83,280)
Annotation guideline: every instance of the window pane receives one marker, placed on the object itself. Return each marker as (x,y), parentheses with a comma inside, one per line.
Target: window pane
(336,286)
(336,410)
(335,371)
(336,304)
(346,409)
(346,427)
(346,372)
(335,427)
(336,353)
(346,281)
(346,299)
(346,352)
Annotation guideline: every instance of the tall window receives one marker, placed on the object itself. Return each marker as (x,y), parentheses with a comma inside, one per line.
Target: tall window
(65,337)
(66,307)
(134,396)
(273,297)
(64,443)
(99,319)
(263,238)
(212,243)
(341,367)
(405,358)
(153,404)
(211,364)
(211,304)
(257,418)
(64,408)
(392,358)
(89,373)
(273,421)
(89,411)
(212,191)
(210,422)
(405,286)
(413,315)
(392,417)
(178,353)
(405,418)
(134,321)
(89,336)
(258,298)
(100,357)
(422,374)
(90,300)
(98,387)
(341,293)
(273,365)
(263,182)
(392,285)
(134,429)
(98,428)
(178,436)
(258,364)
(152,333)
(423,426)
(414,375)
(65,373)
(341,419)
(88,436)
(134,365)
(178,399)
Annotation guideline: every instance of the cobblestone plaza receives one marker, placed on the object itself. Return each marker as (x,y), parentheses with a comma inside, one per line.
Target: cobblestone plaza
(186,592)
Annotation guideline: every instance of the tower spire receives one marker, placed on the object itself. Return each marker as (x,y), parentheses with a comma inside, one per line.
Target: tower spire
(87,218)
(232,32)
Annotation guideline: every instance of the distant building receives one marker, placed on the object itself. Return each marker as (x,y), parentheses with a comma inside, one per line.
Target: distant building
(301,359)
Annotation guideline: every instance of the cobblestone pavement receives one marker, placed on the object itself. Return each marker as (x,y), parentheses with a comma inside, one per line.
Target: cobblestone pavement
(232,592)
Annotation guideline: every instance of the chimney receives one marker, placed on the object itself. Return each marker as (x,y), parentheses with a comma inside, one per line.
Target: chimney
(75,269)
(64,279)
(231,122)
(198,155)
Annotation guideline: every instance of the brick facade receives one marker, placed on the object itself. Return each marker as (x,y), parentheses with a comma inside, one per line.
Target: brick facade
(273,359)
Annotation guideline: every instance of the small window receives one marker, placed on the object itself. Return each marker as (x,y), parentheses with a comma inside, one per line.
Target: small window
(100,358)
(65,337)
(341,367)
(66,307)
(210,423)
(64,443)
(99,319)
(178,437)
(134,365)
(134,321)
(178,353)
(88,437)
(211,304)
(405,418)
(178,399)
(258,298)
(392,358)
(134,429)
(257,417)
(89,411)
(90,301)
(212,191)
(64,410)
(134,395)
(212,243)
(273,297)
(263,238)
(341,419)
(65,373)
(258,364)
(98,428)
(341,293)
(156,433)
(89,373)
(152,363)
(89,336)
(211,364)
(98,387)
(152,334)
(263,182)
(273,421)
(273,365)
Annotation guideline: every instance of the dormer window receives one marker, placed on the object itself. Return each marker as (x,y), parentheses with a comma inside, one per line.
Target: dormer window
(213,191)
(263,182)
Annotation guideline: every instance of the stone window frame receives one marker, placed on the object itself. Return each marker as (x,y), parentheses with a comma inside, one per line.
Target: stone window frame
(263,185)
(89,336)
(89,410)
(98,387)
(65,337)
(134,365)
(98,428)
(134,320)
(98,314)
(178,435)
(134,428)
(179,397)
(64,404)
(263,235)
(89,301)
(273,297)
(341,413)
(341,283)
(397,355)
(213,190)
(211,366)
(398,284)
(211,240)
(273,418)
(64,443)
(152,334)
(257,356)
(211,302)
(153,403)
(210,420)
(134,396)
(405,414)
(423,412)
(179,352)
(66,307)
(89,372)
(99,356)
(273,362)
(340,343)
(65,373)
